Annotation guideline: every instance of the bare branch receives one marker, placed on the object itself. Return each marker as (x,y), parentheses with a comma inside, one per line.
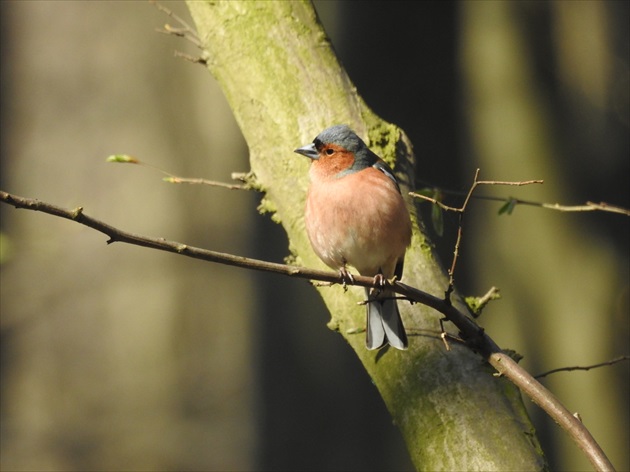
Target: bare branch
(588,206)
(435,202)
(184,180)
(477,304)
(183,31)
(117,235)
(471,333)
(588,367)
(507,182)
(174,179)
(476,183)
(194,59)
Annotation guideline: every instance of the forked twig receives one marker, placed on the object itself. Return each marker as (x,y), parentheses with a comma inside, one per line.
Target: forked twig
(462,210)
(184,31)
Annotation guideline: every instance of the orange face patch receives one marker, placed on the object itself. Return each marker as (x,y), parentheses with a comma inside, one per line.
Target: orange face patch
(332,160)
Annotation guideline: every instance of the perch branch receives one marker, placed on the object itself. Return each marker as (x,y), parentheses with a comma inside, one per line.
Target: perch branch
(473,335)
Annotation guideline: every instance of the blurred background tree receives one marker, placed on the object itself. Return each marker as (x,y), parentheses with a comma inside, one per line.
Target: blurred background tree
(121,358)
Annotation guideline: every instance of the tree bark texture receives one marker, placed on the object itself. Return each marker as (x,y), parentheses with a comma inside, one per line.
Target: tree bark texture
(284,84)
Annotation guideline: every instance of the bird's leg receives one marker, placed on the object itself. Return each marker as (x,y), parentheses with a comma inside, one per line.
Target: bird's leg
(346,276)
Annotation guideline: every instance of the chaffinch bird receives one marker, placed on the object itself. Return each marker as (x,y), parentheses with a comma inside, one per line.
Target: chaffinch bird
(355,215)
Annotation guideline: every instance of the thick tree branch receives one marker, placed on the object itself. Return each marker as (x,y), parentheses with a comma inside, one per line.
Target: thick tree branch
(473,335)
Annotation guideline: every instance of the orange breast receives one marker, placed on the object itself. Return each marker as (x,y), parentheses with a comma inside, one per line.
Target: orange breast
(360,219)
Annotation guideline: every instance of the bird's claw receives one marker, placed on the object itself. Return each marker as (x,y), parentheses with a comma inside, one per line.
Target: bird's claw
(379,281)
(379,284)
(346,277)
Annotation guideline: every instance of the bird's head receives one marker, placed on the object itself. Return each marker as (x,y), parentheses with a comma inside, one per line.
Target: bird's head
(338,150)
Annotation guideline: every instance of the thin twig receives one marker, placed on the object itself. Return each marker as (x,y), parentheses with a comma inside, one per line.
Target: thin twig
(477,304)
(491,294)
(174,179)
(578,367)
(193,59)
(474,336)
(588,206)
(462,210)
(213,183)
(507,182)
(434,201)
(451,271)
(186,31)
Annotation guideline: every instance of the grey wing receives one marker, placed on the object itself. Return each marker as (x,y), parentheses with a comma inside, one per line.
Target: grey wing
(385,169)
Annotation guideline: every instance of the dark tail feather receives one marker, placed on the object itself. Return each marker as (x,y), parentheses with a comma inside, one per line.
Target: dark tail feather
(384,325)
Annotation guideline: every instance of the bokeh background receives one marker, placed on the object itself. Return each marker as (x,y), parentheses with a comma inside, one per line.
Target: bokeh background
(121,358)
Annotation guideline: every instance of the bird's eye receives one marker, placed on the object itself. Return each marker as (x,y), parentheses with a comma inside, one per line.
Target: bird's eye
(330,152)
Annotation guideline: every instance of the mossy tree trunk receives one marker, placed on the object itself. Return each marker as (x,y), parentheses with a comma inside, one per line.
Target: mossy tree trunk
(284,85)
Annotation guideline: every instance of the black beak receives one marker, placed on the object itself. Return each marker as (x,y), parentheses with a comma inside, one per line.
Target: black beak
(308,151)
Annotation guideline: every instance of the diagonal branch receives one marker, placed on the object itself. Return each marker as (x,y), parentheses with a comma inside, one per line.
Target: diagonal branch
(474,336)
